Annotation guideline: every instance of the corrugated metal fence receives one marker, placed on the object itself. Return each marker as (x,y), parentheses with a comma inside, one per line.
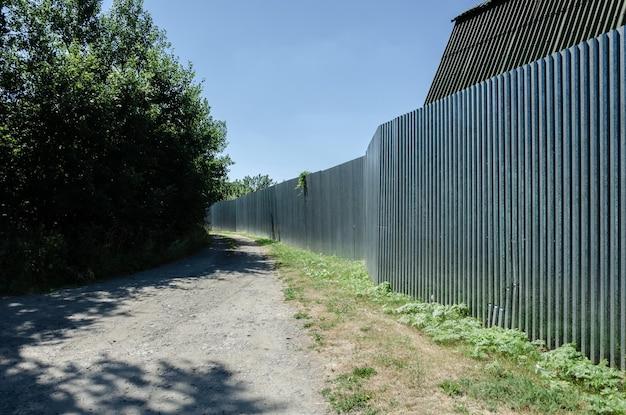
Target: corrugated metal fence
(509,196)
(328,216)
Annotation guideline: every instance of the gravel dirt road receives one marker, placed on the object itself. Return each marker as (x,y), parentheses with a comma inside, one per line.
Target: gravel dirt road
(209,334)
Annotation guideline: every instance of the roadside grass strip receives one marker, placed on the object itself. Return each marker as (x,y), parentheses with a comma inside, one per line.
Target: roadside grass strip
(510,373)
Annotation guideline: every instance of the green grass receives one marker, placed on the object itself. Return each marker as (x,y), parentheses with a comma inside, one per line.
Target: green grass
(290,293)
(348,392)
(517,374)
(264,242)
(301,315)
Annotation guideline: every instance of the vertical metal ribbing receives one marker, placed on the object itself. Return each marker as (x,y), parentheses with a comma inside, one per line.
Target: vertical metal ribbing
(550,206)
(621,50)
(413,214)
(382,234)
(398,200)
(425,202)
(603,211)
(457,271)
(488,203)
(512,200)
(403,229)
(501,276)
(495,170)
(450,279)
(558,286)
(460,271)
(474,294)
(594,197)
(458,193)
(585,275)
(576,163)
(466,146)
(454,276)
(393,196)
(466,141)
(543,211)
(431,221)
(526,170)
(409,214)
(472,138)
(419,195)
(428,136)
(442,283)
(445,274)
(567,196)
(521,198)
(614,179)
(424,206)
(505,203)
(491,194)
(406,225)
(437,286)
(416,214)
(474,285)
(535,191)
(425,157)
(486,269)
(460,196)
(434,279)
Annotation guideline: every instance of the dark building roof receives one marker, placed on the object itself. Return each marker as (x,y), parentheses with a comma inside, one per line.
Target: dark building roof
(499,35)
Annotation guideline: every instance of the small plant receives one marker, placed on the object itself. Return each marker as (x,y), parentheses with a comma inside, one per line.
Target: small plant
(363,372)
(451,388)
(318,338)
(348,393)
(290,293)
(300,315)
(302,182)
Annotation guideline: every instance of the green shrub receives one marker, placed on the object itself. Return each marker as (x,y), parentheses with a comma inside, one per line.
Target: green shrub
(109,154)
(567,363)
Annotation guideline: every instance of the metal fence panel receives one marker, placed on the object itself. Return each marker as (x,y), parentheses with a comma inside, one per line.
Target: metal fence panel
(509,196)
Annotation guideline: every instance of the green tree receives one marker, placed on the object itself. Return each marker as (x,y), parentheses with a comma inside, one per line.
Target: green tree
(108,152)
(248,184)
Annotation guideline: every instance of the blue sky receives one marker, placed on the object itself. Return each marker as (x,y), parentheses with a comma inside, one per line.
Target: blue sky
(303,84)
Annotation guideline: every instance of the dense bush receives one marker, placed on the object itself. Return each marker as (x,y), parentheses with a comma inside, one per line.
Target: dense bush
(108,152)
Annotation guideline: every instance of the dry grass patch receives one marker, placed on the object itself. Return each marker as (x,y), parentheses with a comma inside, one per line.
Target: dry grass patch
(355,337)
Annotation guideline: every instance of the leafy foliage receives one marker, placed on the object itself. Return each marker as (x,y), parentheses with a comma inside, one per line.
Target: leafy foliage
(302,183)
(248,184)
(108,152)
(572,377)
(450,324)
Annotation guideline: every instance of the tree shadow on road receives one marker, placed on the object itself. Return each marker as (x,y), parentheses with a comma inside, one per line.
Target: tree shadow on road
(51,318)
(168,388)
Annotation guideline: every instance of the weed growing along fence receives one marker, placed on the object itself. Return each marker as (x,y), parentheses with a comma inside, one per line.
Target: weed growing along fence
(509,196)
